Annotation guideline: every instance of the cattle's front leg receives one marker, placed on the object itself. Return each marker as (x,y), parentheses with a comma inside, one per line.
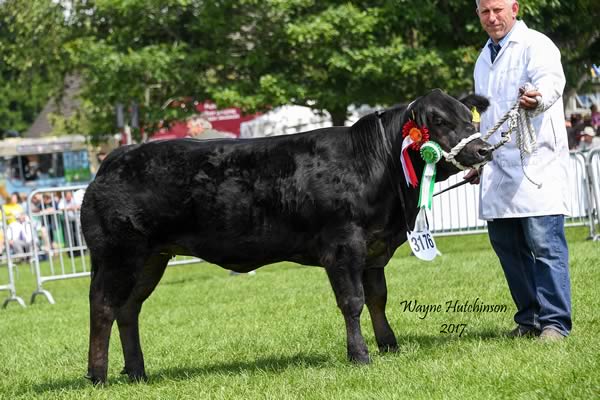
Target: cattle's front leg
(376,299)
(345,276)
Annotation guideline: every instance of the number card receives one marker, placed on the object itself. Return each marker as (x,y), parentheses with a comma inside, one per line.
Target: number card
(420,239)
(422,244)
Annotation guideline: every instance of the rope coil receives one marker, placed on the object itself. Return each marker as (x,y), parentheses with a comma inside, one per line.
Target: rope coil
(519,120)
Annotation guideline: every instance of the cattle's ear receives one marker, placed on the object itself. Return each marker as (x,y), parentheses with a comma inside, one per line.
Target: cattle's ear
(477,101)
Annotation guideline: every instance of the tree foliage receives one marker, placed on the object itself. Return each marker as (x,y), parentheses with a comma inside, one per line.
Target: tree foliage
(256,54)
(32,62)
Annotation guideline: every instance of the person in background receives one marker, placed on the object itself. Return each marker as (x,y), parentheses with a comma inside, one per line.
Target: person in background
(572,136)
(70,209)
(20,236)
(525,218)
(39,218)
(49,212)
(23,200)
(588,139)
(595,117)
(12,208)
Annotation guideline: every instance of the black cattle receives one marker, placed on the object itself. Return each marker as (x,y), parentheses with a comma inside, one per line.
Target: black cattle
(329,197)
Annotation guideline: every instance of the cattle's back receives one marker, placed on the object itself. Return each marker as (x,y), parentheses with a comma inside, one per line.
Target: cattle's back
(265,195)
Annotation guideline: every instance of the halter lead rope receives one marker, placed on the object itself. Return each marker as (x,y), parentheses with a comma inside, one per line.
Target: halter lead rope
(456,149)
(519,120)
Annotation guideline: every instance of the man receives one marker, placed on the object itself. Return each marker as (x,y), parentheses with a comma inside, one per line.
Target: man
(19,235)
(526,219)
(70,206)
(588,140)
(595,116)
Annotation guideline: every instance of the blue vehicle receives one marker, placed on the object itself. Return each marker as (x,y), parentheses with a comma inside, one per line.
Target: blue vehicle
(31,163)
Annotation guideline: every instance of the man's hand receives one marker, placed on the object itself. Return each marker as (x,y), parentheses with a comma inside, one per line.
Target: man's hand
(472,176)
(529,100)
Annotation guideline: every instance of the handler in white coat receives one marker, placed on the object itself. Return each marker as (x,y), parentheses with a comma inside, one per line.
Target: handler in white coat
(525,218)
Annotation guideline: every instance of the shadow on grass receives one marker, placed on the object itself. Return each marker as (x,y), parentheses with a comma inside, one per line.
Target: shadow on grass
(59,385)
(270,364)
(435,339)
(408,344)
(417,344)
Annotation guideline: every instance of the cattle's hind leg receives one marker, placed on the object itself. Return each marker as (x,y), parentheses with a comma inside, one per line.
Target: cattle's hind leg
(102,316)
(376,299)
(128,316)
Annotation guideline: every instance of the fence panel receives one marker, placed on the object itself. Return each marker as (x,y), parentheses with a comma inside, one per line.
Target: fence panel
(57,222)
(593,172)
(457,212)
(580,205)
(6,258)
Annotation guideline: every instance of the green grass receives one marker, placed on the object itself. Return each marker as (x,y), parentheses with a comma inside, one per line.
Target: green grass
(279,335)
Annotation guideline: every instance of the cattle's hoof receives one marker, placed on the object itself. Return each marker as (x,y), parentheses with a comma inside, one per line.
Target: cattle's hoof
(388,348)
(360,358)
(96,380)
(135,376)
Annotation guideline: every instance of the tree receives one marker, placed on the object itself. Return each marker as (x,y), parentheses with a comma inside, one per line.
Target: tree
(258,54)
(32,63)
(573,26)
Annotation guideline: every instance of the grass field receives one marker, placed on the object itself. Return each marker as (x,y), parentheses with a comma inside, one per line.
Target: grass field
(279,335)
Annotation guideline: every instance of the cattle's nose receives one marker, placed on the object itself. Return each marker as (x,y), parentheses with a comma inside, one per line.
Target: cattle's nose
(486,152)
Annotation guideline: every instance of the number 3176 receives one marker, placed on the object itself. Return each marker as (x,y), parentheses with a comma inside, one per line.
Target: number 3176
(422,242)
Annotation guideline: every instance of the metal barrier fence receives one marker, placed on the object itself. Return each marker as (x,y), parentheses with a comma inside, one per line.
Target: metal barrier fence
(63,245)
(456,212)
(59,250)
(593,172)
(59,228)
(8,258)
(580,205)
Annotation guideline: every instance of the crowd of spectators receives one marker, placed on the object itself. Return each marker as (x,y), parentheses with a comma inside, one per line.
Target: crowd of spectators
(54,224)
(584,131)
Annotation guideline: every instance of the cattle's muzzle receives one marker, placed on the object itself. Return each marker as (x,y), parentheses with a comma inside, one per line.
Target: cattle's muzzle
(471,152)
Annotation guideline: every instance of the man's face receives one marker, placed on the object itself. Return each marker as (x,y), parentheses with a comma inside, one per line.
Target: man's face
(497,17)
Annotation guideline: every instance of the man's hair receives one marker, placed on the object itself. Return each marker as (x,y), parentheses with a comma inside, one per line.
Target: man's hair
(509,2)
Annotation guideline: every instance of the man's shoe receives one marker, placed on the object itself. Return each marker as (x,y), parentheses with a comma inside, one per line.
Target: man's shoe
(551,335)
(523,331)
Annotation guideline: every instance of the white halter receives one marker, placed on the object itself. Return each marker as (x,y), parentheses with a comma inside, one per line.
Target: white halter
(450,156)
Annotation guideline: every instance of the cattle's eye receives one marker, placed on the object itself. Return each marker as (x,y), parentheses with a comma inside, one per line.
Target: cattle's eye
(438,121)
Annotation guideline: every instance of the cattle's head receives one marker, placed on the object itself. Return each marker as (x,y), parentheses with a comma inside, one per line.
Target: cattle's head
(449,121)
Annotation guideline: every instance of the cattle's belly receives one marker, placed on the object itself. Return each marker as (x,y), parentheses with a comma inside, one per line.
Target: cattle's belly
(247,252)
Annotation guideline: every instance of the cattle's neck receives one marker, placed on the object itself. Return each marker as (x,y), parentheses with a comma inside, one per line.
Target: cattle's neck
(444,169)
(409,193)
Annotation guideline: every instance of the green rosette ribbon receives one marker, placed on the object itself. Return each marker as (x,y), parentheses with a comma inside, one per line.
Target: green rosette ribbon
(431,153)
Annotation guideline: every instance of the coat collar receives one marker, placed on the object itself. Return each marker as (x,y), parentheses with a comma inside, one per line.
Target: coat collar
(516,35)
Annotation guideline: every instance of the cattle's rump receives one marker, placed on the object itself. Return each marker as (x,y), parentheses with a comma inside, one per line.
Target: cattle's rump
(229,201)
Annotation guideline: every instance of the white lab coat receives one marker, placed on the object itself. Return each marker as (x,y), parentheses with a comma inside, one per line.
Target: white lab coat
(528,56)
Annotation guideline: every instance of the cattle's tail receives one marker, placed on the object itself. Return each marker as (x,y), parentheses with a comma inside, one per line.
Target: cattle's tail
(92,226)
